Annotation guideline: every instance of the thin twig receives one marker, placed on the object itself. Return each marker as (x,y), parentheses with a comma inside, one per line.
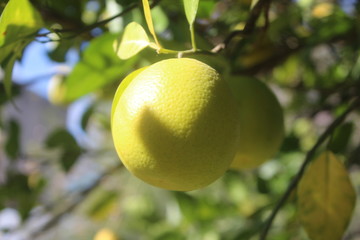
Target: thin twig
(309,157)
(260,6)
(78,31)
(75,200)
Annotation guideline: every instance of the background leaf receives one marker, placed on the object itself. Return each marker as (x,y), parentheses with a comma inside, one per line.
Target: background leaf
(326,198)
(12,145)
(191,7)
(70,150)
(98,67)
(134,40)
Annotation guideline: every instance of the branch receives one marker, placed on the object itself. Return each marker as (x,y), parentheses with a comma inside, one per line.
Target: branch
(65,206)
(261,5)
(88,28)
(309,157)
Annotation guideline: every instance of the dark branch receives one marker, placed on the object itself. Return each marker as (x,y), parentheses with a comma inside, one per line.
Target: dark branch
(309,157)
(260,6)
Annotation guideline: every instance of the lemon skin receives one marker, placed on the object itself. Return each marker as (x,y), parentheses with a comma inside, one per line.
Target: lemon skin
(175,126)
(261,122)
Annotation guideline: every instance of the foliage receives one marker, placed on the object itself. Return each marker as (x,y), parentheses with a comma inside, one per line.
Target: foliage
(307,51)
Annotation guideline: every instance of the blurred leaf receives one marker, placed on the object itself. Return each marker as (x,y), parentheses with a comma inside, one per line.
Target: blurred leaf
(103,205)
(98,67)
(12,145)
(326,198)
(133,41)
(86,116)
(341,138)
(187,204)
(8,74)
(162,21)
(18,193)
(64,141)
(147,13)
(191,7)
(15,89)
(18,20)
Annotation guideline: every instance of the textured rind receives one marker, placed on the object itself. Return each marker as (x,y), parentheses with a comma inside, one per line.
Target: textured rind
(176,125)
(261,122)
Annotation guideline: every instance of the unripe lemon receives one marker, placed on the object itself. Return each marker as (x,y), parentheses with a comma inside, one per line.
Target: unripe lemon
(261,122)
(175,125)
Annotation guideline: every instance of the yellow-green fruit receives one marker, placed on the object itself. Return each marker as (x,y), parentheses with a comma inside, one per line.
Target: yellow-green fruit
(261,122)
(175,126)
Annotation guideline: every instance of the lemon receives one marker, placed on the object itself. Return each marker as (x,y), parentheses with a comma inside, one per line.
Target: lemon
(175,125)
(261,122)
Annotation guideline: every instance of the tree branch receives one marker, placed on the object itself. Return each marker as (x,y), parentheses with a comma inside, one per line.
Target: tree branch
(260,6)
(309,157)
(78,31)
(64,205)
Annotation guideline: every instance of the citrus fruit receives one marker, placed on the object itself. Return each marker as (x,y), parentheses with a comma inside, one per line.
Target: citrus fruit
(175,125)
(261,122)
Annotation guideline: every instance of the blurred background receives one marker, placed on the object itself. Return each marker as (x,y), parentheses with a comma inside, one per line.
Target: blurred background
(60,177)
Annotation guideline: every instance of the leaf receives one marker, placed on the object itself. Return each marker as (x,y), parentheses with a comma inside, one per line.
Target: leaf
(98,67)
(326,198)
(12,145)
(8,74)
(191,7)
(341,137)
(18,20)
(134,40)
(68,146)
(147,13)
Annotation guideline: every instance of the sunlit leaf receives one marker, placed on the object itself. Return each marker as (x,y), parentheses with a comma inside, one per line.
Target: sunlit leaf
(147,13)
(105,234)
(326,198)
(18,20)
(102,204)
(191,7)
(134,40)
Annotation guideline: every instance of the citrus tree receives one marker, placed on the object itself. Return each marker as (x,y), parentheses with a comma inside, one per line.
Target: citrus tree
(181,119)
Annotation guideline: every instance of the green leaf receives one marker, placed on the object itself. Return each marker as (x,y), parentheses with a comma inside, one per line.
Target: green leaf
(98,67)
(133,41)
(191,7)
(341,137)
(123,85)
(18,20)
(12,145)
(70,150)
(148,18)
(8,74)
(326,198)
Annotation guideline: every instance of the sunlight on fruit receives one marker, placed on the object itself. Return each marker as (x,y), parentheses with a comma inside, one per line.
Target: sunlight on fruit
(105,234)
(322,10)
(168,125)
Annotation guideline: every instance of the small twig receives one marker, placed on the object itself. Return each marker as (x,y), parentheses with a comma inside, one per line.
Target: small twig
(309,156)
(75,200)
(87,28)
(260,6)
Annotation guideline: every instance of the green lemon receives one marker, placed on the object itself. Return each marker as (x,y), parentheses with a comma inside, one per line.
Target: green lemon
(261,122)
(175,125)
